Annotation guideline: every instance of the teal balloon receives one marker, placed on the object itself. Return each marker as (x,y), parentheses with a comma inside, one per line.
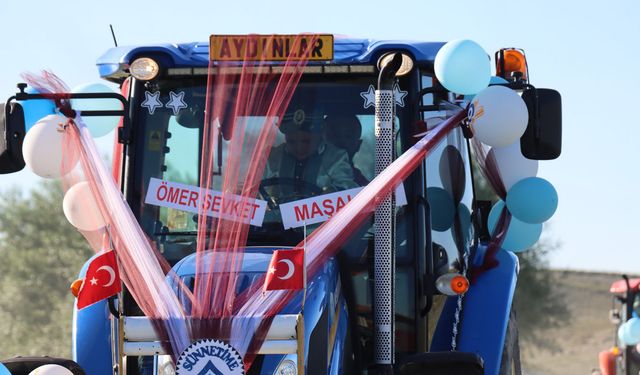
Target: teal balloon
(532,200)
(443,210)
(463,67)
(36,109)
(98,125)
(494,80)
(520,236)
(4,370)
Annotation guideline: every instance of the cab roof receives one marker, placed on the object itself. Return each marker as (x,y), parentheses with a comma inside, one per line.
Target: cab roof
(620,286)
(113,65)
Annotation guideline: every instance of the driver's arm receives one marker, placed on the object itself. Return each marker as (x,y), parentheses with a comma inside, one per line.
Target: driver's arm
(273,162)
(338,170)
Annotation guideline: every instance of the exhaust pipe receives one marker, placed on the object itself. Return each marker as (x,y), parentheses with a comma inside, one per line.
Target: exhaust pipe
(384,241)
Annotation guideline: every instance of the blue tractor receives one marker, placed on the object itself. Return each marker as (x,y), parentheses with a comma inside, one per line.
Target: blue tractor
(437,326)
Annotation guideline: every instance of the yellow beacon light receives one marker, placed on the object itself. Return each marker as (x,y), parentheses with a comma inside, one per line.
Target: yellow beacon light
(616,351)
(511,64)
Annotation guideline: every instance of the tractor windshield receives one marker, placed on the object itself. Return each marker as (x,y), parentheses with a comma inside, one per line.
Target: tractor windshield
(322,155)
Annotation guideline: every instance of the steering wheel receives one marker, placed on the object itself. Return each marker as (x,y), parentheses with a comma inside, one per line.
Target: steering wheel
(306,189)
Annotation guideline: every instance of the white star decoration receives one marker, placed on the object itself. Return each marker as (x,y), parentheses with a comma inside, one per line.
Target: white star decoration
(176,103)
(399,95)
(272,270)
(94,281)
(369,96)
(151,101)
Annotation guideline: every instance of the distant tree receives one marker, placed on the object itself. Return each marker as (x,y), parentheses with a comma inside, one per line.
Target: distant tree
(539,306)
(41,254)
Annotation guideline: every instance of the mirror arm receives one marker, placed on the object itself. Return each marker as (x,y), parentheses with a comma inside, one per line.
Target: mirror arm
(521,85)
(123,132)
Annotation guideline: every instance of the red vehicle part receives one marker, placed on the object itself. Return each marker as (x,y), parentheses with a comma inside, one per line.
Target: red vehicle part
(620,286)
(607,362)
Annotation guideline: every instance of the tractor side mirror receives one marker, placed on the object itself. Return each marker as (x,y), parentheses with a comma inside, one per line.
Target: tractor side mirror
(12,132)
(12,123)
(542,140)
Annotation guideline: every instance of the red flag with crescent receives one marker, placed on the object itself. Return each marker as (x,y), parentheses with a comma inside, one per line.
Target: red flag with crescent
(286,270)
(101,281)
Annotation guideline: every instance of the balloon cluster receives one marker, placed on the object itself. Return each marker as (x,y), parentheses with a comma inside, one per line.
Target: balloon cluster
(48,155)
(498,117)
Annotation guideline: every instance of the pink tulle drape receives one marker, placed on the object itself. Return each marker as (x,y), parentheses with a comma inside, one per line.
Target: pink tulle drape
(142,268)
(234,91)
(489,168)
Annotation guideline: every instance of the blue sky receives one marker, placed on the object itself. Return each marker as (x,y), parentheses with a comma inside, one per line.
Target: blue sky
(586,50)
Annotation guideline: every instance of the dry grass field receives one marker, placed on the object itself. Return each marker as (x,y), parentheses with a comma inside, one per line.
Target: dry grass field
(580,339)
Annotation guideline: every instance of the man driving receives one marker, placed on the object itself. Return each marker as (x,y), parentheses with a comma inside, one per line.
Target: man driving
(345,131)
(305,162)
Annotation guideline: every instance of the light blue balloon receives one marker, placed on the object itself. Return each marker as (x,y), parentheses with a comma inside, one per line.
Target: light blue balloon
(622,335)
(520,236)
(36,109)
(443,210)
(102,125)
(494,80)
(4,370)
(532,200)
(463,67)
(632,331)
(629,332)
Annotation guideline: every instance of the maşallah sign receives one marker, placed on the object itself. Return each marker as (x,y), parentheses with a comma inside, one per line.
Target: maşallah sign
(215,203)
(318,209)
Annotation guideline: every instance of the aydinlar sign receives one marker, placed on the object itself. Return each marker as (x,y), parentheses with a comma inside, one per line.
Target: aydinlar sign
(318,47)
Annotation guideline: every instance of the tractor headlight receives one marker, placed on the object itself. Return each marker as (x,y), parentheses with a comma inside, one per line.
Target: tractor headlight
(287,367)
(144,69)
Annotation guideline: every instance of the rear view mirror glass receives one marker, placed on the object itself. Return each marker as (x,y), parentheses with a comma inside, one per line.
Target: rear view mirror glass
(12,133)
(543,138)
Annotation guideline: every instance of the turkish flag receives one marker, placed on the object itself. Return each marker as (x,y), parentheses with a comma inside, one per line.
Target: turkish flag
(286,270)
(101,280)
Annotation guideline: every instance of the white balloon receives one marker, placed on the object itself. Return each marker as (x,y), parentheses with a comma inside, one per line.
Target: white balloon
(98,125)
(81,208)
(498,116)
(51,370)
(513,166)
(43,148)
